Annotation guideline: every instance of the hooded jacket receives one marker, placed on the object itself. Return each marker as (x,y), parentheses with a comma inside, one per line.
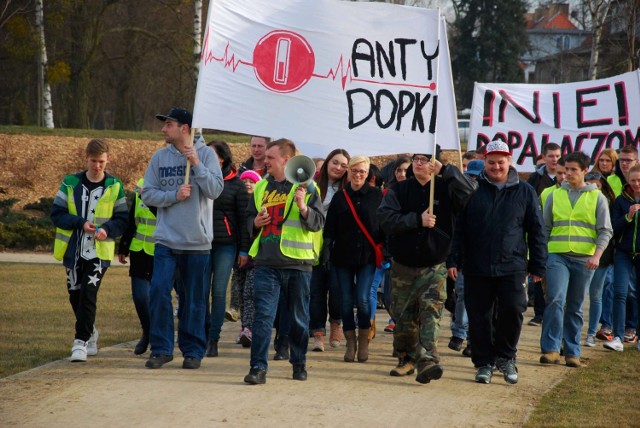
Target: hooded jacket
(230,213)
(183,225)
(410,243)
(498,226)
(540,180)
(625,231)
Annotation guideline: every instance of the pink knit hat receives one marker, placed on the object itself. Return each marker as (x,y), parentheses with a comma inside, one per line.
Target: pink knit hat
(251,175)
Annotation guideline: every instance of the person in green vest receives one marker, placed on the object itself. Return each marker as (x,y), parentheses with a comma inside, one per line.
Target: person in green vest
(282,218)
(576,218)
(137,243)
(89,212)
(627,158)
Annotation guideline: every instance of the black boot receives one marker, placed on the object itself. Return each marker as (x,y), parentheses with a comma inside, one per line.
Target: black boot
(282,350)
(142,345)
(212,348)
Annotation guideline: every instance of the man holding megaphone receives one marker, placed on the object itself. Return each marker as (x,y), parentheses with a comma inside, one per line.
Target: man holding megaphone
(283,217)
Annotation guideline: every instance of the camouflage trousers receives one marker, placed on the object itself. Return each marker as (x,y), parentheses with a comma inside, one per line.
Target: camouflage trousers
(417,299)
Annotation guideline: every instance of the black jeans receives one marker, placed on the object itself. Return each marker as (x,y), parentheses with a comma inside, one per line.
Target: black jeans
(481,294)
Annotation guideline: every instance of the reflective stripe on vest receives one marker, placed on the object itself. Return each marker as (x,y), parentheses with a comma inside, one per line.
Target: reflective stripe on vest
(104,210)
(143,239)
(295,242)
(574,228)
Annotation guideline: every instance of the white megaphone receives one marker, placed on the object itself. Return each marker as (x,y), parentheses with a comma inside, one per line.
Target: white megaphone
(300,170)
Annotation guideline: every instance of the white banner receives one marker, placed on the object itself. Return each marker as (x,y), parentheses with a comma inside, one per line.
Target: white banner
(326,74)
(583,116)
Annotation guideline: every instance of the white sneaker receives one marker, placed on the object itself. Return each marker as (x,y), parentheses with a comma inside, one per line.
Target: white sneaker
(614,345)
(590,341)
(92,344)
(79,351)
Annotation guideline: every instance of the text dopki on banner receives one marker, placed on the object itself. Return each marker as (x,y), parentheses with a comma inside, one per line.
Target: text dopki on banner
(325,74)
(582,116)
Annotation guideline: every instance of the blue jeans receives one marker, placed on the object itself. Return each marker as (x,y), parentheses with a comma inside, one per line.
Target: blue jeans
(567,282)
(595,298)
(378,276)
(140,293)
(460,326)
(268,284)
(194,282)
(222,258)
(623,269)
(323,283)
(631,319)
(355,284)
(607,299)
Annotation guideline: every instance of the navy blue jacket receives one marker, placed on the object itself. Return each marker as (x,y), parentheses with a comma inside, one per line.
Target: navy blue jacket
(625,233)
(496,226)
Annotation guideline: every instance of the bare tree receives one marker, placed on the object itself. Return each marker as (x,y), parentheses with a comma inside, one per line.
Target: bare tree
(598,11)
(45,107)
(197,38)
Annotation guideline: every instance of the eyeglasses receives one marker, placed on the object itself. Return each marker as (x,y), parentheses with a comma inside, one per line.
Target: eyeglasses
(592,176)
(420,159)
(623,160)
(359,171)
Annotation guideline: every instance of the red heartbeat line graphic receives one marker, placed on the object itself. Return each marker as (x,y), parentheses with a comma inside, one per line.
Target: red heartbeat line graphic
(346,74)
(341,71)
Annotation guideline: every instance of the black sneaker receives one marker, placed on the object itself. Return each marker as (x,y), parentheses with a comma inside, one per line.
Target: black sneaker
(299,373)
(508,369)
(456,343)
(256,376)
(191,363)
(484,374)
(535,322)
(467,351)
(157,361)
(428,371)
(142,345)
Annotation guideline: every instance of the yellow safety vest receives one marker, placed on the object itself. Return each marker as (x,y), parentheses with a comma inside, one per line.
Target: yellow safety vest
(615,183)
(145,225)
(104,211)
(545,194)
(574,228)
(295,242)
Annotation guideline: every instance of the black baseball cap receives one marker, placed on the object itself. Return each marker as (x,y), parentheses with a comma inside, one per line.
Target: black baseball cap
(178,114)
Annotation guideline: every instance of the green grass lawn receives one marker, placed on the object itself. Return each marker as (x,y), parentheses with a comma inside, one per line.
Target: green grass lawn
(36,320)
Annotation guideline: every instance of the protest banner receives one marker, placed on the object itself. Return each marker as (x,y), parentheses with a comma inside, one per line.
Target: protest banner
(326,74)
(582,116)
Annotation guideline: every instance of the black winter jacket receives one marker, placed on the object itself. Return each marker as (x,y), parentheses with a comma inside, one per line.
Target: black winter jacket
(230,213)
(625,232)
(540,180)
(343,237)
(496,226)
(410,243)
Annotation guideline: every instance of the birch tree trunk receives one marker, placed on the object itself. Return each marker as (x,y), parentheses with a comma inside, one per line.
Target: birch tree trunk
(599,9)
(45,113)
(197,39)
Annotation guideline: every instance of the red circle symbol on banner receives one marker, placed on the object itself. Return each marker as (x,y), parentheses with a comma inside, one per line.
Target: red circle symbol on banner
(283,61)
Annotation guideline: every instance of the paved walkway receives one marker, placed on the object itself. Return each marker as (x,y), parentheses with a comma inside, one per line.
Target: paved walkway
(114,389)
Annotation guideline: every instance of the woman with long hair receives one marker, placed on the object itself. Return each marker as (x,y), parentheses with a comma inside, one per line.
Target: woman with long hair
(606,162)
(230,241)
(331,179)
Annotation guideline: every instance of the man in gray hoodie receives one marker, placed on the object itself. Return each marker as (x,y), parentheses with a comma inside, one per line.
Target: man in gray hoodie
(183,236)
(576,218)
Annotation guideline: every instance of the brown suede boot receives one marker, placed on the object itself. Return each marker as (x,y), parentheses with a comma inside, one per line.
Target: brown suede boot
(372,330)
(363,344)
(405,366)
(350,353)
